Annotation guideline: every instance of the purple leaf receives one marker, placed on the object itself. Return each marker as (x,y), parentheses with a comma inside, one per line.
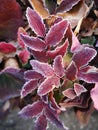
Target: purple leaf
(67,5)
(71,71)
(94,95)
(56,33)
(29,87)
(52,116)
(79,89)
(24,56)
(41,123)
(31,74)
(43,68)
(32,110)
(61,50)
(89,77)
(33,42)
(58,66)
(84,56)
(35,22)
(48,85)
(70,93)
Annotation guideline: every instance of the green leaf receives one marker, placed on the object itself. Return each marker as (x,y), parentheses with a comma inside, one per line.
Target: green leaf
(88,40)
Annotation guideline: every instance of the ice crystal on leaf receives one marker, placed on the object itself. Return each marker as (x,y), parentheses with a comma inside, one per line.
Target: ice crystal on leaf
(58,85)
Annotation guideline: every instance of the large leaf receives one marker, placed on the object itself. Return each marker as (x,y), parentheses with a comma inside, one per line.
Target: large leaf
(56,33)
(43,68)
(10,19)
(35,22)
(32,110)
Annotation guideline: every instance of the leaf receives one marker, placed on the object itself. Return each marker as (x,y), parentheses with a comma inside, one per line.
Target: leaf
(56,33)
(28,87)
(86,52)
(24,56)
(94,95)
(88,40)
(41,123)
(33,42)
(52,116)
(48,85)
(58,66)
(61,50)
(79,89)
(10,19)
(67,5)
(7,48)
(31,74)
(71,71)
(35,22)
(32,110)
(43,68)
(70,93)
(38,5)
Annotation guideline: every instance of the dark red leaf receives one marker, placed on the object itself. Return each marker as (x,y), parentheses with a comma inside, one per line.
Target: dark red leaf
(56,33)
(67,5)
(24,56)
(29,87)
(41,123)
(48,85)
(61,50)
(58,66)
(71,71)
(84,56)
(33,42)
(43,68)
(7,48)
(32,110)
(35,22)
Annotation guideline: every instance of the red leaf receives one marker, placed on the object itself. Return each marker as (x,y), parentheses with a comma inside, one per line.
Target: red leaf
(7,48)
(61,50)
(24,56)
(94,95)
(71,71)
(58,66)
(67,5)
(41,123)
(84,56)
(10,19)
(35,22)
(31,74)
(32,110)
(79,89)
(43,68)
(48,85)
(56,33)
(29,87)
(70,93)
(33,42)
(52,116)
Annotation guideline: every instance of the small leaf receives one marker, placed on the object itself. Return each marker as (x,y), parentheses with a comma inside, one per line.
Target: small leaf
(7,48)
(31,74)
(70,93)
(61,50)
(84,56)
(71,71)
(33,42)
(32,110)
(79,89)
(94,95)
(58,66)
(41,123)
(35,22)
(24,56)
(43,68)
(48,85)
(56,33)
(88,40)
(29,87)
